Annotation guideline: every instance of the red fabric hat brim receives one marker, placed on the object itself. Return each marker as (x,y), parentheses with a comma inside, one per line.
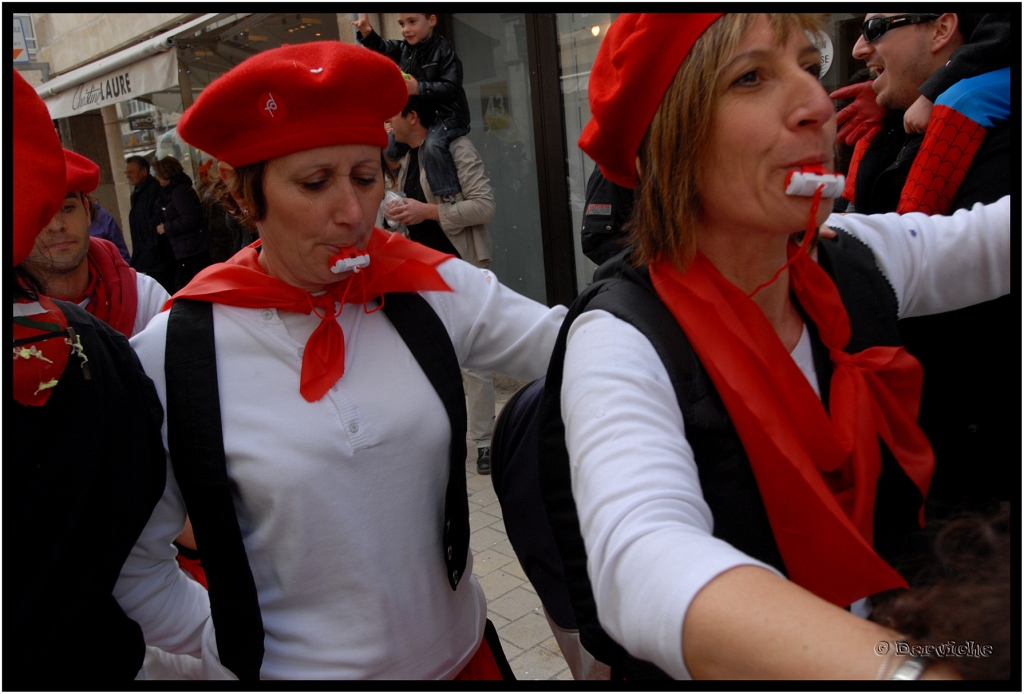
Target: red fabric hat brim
(38,166)
(635,65)
(295,98)
(83,174)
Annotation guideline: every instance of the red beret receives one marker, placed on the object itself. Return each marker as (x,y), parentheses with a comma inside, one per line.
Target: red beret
(38,168)
(83,173)
(636,62)
(295,98)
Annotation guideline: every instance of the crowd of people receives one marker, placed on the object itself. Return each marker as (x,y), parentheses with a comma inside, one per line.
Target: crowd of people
(267,431)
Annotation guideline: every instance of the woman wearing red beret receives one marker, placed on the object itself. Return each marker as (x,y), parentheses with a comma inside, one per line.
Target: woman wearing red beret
(334,532)
(732,515)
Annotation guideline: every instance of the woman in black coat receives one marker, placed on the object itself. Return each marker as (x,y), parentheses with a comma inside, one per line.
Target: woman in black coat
(181,215)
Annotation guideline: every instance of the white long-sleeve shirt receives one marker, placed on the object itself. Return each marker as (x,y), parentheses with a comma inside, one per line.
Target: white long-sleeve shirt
(341,500)
(646,526)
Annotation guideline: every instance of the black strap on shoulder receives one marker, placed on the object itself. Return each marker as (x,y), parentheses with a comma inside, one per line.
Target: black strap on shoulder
(428,340)
(196,444)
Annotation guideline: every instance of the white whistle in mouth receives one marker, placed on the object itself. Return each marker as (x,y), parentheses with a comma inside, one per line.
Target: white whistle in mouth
(349,258)
(807,180)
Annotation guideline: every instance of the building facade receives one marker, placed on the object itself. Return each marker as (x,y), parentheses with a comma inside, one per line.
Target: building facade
(117,83)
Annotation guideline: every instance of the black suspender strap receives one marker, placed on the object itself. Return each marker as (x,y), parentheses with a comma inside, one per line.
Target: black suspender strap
(429,342)
(196,443)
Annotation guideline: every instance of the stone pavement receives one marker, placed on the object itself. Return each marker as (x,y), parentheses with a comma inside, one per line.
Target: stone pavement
(512,604)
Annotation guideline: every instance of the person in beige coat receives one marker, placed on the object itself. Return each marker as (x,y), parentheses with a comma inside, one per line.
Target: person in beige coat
(457,227)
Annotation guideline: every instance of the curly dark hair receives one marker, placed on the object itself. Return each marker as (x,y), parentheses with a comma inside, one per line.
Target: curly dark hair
(961,594)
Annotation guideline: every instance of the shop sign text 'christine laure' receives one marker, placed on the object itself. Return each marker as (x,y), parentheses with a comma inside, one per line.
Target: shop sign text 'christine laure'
(156,73)
(96,93)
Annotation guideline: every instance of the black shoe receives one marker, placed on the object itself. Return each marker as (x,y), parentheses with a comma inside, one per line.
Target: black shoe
(483,460)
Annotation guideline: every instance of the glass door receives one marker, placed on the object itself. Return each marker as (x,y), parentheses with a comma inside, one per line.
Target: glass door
(492,48)
(579,36)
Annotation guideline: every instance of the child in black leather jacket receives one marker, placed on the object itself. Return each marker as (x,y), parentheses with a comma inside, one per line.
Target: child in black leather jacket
(434,72)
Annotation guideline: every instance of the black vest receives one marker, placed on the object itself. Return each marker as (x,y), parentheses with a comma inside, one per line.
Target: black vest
(727,480)
(84,473)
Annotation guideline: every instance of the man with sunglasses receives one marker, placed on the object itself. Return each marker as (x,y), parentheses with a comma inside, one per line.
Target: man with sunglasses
(905,60)
(964,353)
(924,54)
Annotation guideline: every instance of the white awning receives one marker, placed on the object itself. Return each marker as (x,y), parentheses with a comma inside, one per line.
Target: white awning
(153,74)
(115,78)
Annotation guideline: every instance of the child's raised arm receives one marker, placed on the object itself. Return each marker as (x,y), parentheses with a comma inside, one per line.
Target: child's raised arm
(369,38)
(363,25)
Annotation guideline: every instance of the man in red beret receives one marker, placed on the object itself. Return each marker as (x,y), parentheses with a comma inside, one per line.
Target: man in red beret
(90,272)
(83,500)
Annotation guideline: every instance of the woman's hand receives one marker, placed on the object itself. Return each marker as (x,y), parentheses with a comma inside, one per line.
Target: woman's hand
(915,120)
(160,228)
(412,212)
(363,25)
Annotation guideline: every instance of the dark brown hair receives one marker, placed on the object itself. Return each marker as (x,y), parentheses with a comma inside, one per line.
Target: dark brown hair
(168,167)
(424,111)
(247,184)
(961,595)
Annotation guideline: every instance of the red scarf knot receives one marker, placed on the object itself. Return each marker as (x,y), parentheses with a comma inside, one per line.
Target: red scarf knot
(817,471)
(396,265)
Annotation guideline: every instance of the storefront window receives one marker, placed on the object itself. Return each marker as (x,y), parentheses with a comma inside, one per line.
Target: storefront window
(149,127)
(149,124)
(492,48)
(579,36)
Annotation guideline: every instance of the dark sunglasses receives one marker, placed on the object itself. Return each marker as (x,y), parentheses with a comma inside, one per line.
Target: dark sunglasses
(875,28)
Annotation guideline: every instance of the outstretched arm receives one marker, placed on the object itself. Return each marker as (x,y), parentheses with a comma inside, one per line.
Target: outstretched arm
(748,623)
(939,263)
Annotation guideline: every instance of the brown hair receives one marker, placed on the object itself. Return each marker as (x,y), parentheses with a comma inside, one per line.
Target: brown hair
(961,594)
(668,205)
(246,184)
(167,168)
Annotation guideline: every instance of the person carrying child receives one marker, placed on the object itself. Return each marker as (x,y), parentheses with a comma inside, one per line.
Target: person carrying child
(434,72)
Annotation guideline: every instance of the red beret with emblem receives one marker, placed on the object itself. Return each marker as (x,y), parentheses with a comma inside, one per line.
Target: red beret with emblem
(83,173)
(295,98)
(634,67)
(38,168)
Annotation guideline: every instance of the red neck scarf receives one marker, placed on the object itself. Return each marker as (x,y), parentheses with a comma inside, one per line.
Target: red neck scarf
(41,350)
(112,292)
(817,471)
(396,265)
